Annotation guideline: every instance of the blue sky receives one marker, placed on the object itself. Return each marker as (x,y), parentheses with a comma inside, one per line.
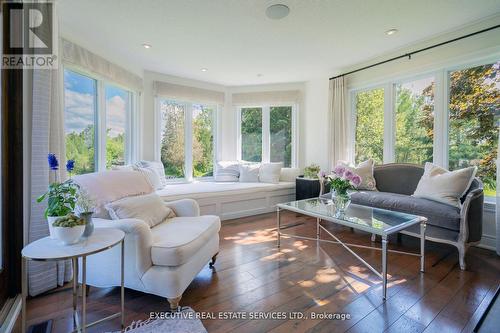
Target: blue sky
(79,104)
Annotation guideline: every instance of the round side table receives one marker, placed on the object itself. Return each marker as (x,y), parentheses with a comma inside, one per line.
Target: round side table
(47,249)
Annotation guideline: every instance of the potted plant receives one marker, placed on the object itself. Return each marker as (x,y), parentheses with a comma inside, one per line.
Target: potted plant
(61,197)
(68,229)
(85,206)
(341,182)
(312,171)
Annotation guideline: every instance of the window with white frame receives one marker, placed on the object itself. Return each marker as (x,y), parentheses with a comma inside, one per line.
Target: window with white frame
(187,139)
(97,134)
(399,121)
(266,134)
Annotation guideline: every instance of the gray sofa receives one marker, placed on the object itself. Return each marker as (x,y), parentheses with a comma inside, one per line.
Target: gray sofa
(446,224)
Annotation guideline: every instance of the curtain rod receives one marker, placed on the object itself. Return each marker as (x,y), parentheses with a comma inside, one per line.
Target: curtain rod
(408,55)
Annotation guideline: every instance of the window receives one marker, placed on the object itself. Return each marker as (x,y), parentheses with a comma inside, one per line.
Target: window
(203,140)
(473,129)
(415,121)
(80,100)
(187,139)
(400,121)
(97,137)
(117,110)
(251,134)
(266,134)
(370,125)
(281,135)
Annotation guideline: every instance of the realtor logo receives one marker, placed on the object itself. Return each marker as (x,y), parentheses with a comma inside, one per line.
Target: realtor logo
(31,41)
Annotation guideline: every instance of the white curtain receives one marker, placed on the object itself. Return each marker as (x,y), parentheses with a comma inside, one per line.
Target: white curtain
(184,93)
(261,97)
(47,135)
(339,123)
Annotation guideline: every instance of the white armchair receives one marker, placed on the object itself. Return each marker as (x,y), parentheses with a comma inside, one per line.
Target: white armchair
(162,260)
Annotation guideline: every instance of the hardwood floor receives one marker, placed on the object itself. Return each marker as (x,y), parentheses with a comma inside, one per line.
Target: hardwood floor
(252,275)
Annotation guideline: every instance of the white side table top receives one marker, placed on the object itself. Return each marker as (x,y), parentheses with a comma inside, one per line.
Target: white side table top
(52,249)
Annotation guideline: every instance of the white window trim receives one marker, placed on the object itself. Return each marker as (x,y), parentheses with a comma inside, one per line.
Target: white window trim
(132,138)
(266,135)
(441,107)
(188,137)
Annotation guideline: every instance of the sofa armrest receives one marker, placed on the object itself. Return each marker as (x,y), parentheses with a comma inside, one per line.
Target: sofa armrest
(184,207)
(471,216)
(138,240)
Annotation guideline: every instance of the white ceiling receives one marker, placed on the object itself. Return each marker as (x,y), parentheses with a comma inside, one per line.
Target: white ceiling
(235,41)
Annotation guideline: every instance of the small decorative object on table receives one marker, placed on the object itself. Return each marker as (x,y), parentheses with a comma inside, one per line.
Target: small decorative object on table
(61,197)
(312,171)
(85,206)
(68,229)
(341,182)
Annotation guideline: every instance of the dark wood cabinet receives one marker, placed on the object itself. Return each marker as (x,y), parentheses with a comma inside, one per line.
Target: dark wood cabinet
(306,188)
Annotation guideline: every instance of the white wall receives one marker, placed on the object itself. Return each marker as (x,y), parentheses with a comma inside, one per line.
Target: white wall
(314,123)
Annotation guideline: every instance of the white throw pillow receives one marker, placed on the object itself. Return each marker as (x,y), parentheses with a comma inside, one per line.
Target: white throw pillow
(158,167)
(365,171)
(127,167)
(249,173)
(227,171)
(149,208)
(444,186)
(289,174)
(151,176)
(270,172)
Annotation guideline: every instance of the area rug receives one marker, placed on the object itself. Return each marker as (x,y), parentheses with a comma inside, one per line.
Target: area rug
(184,321)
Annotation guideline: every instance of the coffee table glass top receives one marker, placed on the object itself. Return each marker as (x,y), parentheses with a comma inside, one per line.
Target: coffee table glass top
(369,219)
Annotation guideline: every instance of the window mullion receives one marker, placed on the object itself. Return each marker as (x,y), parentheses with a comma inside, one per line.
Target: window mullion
(440,156)
(266,133)
(101,127)
(188,141)
(389,123)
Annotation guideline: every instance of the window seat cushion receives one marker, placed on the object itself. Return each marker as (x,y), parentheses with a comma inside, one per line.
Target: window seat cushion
(199,190)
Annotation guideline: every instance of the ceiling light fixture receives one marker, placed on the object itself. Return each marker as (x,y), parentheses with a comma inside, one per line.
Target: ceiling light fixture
(146,45)
(204,69)
(391,32)
(277,11)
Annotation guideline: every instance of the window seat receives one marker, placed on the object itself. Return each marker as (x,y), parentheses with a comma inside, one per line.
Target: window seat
(231,200)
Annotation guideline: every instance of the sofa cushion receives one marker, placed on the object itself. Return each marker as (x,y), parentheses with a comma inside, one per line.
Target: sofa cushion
(158,167)
(176,240)
(438,214)
(108,186)
(444,186)
(227,171)
(149,208)
(249,173)
(270,172)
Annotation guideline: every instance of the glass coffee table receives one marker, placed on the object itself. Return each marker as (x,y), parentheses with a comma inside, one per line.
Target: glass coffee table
(372,220)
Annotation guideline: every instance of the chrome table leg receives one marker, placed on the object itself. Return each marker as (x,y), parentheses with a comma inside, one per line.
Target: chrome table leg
(84,296)
(384,267)
(278,222)
(423,226)
(122,291)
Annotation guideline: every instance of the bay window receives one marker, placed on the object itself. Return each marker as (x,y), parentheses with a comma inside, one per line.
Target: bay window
(399,121)
(266,133)
(97,122)
(187,139)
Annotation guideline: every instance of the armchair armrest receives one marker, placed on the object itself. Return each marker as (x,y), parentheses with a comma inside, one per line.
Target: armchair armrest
(138,240)
(184,207)
(471,216)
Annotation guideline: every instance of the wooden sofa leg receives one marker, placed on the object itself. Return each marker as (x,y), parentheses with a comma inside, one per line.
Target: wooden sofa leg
(373,238)
(174,303)
(212,262)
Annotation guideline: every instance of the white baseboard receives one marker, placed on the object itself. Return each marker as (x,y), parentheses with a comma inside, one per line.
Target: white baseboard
(488,242)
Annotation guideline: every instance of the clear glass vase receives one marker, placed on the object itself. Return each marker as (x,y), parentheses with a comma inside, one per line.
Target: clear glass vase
(89,224)
(341,201)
